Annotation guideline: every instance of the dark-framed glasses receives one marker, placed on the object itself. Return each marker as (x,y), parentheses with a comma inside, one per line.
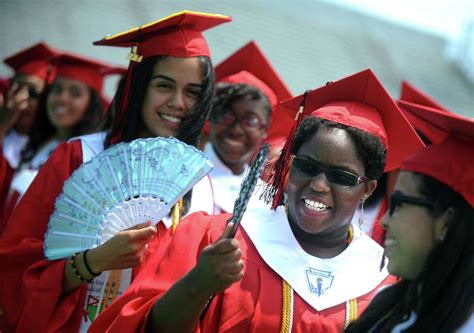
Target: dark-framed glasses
(398,198)
(311,168)
(248,122)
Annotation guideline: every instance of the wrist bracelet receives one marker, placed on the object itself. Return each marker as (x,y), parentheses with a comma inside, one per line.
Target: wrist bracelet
(86,263)
(74,268)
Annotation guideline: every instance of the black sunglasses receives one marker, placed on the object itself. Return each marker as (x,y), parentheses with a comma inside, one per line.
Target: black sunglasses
(398,198)
(311,168)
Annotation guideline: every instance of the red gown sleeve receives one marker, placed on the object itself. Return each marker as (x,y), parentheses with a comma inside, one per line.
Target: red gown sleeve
(6,176)
(129,312)
(30,292)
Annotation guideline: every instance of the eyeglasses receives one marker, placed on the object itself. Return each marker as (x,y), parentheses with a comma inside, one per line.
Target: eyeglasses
(398,198)
(249,123)
(311,168)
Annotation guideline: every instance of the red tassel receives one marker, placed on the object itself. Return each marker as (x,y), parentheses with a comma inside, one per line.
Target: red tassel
(276,186)
(116,134)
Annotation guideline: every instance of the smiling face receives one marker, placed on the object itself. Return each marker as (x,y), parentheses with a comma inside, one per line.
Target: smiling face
(411,230)
(174,89)
(68,102)
(233,143)
(317,206)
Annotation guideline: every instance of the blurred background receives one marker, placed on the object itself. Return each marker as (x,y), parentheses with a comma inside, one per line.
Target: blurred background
(429,43)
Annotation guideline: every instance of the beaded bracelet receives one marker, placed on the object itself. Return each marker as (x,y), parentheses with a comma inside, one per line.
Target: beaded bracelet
(76,271)
(86,263)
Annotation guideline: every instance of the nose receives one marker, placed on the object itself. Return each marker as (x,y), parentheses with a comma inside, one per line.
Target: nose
(177,101)
(320,183)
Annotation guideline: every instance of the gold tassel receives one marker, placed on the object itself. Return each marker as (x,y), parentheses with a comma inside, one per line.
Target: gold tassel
(177,210)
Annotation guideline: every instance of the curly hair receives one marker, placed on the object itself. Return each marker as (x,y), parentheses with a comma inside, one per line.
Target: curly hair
(442,295)
(44,129)
(228,93)
(370,149)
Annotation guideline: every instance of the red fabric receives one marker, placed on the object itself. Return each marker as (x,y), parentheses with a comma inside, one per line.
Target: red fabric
(454,168)
(178,35)
(6,176)
(253,304)
(411,94)
(363,88)
(249,65)
(10,204)
(34,61)
(378,232)
(30,292)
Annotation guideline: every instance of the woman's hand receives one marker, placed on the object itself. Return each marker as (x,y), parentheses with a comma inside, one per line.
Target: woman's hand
(11,106)
(124,250)
(219,265)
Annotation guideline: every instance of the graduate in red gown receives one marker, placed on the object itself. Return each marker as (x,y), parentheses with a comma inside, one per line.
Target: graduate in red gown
(430,237)
(167,92)
(71,106)
(247,92)
(298,268)
(33,70)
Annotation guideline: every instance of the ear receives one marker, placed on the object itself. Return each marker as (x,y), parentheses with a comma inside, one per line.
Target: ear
(369,188)
(441,224)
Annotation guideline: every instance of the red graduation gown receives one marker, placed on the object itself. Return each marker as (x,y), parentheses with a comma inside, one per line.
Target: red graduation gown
(6,176)
(253,304)
(30,292)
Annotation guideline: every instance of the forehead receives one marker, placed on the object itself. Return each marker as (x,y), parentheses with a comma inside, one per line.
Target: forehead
(29,79)
(332,146)
(185,70)
(246,105)
(408,183)
(70,83)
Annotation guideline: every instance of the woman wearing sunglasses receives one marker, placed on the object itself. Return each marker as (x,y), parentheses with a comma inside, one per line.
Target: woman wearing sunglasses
(248,90)
(429,238)
(299,268)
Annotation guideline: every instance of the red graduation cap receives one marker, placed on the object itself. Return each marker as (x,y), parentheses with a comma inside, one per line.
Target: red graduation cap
(451,160)
(410,93)
(88,71)
(249,65)
(358,101)
(412,98)
(34,61)
(178,35)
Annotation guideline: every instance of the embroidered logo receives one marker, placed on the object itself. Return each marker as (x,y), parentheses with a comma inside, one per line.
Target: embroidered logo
(319,281)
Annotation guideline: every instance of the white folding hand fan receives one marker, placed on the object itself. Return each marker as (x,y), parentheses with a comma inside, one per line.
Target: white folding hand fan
(127,184)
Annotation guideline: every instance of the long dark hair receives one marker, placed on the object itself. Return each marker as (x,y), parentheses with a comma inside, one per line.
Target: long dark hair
(442,295)
(44,129)
(192,126)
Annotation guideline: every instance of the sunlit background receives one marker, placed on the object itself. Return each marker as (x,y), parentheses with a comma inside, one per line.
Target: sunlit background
(429,43)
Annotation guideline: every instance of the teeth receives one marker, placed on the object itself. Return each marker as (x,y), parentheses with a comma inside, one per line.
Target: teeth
(170,118)
(390,242)
(60,110)
(314,205)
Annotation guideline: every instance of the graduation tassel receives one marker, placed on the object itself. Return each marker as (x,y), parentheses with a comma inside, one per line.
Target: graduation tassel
(274,190)
(116,134)
(176,214)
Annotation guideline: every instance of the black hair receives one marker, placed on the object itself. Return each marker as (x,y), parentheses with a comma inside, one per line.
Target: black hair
(191,127)
(228,93)
(45,130)
(442,295)
(370,149)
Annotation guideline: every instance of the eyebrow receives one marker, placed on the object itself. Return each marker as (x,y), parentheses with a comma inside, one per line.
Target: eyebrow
(167,78)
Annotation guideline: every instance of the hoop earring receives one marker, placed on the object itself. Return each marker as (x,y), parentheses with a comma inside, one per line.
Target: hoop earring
(361,216)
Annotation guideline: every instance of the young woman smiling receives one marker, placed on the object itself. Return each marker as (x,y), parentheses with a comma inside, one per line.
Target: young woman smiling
(429,243)
(298,269)
(167,92)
